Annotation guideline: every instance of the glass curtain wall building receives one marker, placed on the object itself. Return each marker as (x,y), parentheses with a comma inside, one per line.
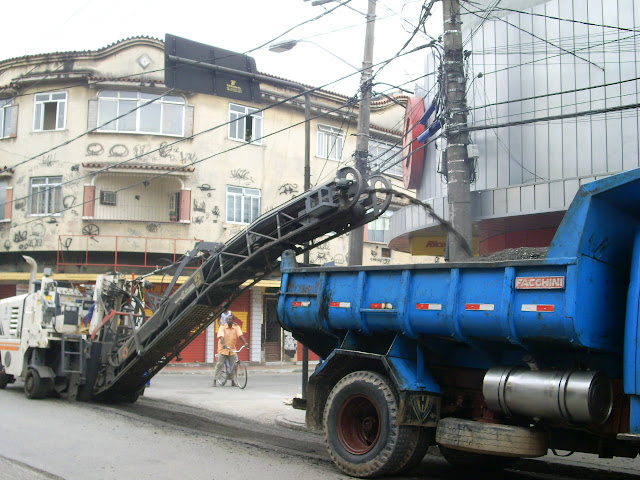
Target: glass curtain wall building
(559,79)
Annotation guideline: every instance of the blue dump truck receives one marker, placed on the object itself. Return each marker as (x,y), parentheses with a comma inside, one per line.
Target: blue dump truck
(491,361)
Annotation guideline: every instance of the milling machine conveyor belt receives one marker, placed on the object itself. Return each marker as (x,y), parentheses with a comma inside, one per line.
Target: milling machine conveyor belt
(300,224)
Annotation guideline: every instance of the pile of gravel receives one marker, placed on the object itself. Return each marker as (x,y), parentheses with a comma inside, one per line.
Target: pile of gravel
(520,253)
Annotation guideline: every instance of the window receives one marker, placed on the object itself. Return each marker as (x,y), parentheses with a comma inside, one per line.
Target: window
(385,157)
(330,142)
(107,197)
(245,124)
(49,112)
(243,204)
(174,207)
(5,200)
(46,195)
(378,230)
(165,116)
(5,118)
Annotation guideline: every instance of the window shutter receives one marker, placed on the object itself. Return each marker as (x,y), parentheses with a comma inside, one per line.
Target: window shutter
(89,201)
(8,206)
(366,233)
(188,121)
(92,116)
(13,132)
(185,205)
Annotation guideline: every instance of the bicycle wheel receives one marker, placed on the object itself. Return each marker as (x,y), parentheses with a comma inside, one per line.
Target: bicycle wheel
(241,375)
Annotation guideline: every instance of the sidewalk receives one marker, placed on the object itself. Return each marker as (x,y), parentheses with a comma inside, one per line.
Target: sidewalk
(272,406)
(207,368)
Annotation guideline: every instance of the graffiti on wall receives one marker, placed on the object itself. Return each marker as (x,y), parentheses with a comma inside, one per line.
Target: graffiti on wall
(288,189)
(242,176)
(144,152)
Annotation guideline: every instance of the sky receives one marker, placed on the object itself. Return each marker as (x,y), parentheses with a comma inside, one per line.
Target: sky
(237,25)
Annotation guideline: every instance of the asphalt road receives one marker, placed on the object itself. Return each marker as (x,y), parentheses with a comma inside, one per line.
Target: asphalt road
(183,427)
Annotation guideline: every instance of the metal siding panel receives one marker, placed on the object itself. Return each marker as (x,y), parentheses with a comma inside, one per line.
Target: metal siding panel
(542,150)
(585,180)
(598,145)
(583,71)
(541,196)
(486,203)
(513,200)
(514,155)
(584,148)
(527,202)
(556,195)
(529,153)
(570,190)
(569,146)
(614,143)
(628,90)
(500,201)
(555,151)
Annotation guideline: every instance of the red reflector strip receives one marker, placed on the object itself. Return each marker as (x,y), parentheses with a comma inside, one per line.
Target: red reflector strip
(486,307)
(381,306)
(429,306)
(300,304)
(538,308)
(340,304)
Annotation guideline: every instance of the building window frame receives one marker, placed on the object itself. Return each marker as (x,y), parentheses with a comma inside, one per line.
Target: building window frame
(108,197)
(242,204)
(47,105)
(387,156)
(157,118)
(379,235)
(46,196)
(246,124)
(330,142)
(6,106)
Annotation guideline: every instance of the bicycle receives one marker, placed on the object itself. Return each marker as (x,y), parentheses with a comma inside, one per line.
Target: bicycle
(238,374)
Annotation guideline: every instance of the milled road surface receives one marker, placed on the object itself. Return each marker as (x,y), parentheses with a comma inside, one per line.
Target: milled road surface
(183,427)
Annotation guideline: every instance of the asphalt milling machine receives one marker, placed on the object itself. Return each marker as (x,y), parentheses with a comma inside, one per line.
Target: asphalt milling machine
(44,339)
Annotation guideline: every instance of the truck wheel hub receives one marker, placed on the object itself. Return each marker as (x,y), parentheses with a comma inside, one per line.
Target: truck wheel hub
(358,424)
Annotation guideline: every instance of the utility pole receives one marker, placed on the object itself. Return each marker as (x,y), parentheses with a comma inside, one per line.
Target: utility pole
(458,167)
(356,237)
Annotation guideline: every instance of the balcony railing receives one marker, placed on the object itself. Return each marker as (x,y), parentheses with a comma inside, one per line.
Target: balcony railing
(120,251)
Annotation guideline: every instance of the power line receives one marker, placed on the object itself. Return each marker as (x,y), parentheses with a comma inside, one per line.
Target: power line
(551,118)
(570,20)
(558,55)
(544,40)
(564,92)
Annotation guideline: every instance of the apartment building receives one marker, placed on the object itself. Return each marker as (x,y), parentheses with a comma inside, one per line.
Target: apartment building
(104,168)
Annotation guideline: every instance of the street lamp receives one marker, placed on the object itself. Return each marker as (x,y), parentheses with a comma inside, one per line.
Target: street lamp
(286,45)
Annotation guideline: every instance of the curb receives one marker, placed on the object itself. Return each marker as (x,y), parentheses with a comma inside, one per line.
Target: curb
(283,421)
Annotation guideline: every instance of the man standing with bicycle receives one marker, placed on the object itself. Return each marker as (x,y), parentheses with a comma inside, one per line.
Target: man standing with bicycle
(228,335)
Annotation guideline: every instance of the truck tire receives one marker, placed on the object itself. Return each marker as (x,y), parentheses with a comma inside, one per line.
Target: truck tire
(490,439)
(360,427)
(4,380)
(417,452)
(471,461)
(34,386)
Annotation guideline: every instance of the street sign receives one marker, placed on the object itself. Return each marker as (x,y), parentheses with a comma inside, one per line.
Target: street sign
(200,68)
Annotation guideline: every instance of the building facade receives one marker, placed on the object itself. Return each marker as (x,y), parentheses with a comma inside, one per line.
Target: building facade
(104,168)
(575,61)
